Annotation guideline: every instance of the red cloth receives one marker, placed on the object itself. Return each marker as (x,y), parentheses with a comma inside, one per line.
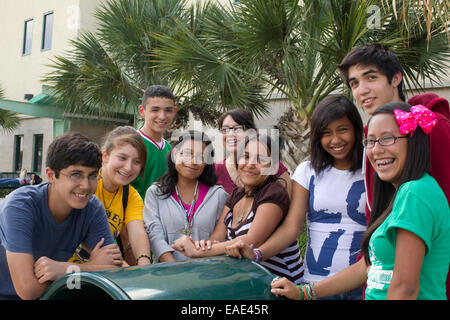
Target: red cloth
(439,142)
(439,145)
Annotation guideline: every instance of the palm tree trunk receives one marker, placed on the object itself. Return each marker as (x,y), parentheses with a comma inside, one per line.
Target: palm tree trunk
(294,134)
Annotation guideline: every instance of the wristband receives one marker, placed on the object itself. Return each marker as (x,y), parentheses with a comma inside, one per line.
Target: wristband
(258,255)
(307,291)
(143,256)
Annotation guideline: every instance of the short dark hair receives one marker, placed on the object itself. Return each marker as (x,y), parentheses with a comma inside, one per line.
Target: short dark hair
(329,109)
(169,179)
(416,165)
(373,54)
(73,148)
(241,117)
(157,91)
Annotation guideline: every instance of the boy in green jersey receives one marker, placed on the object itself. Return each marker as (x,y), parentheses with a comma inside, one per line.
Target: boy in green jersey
(158,110)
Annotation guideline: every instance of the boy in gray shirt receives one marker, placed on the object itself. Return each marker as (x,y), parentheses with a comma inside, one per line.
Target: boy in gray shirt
(41,226)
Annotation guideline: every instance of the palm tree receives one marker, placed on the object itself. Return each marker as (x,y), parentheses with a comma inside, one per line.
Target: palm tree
(431,10)
(8,119)
(217,57)
(295,46)
(106,72)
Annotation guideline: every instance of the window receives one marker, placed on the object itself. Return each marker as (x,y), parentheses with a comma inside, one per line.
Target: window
(27,37)
(37,152)
(18,152)
(47,31)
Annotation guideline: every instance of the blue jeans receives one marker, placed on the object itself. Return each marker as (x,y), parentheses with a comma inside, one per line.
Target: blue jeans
(355,294)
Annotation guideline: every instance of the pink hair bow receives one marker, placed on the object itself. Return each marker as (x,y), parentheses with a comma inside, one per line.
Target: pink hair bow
(419,115)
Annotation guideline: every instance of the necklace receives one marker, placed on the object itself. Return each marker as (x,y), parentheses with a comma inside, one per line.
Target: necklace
(244,211)
(189,215)
(112,200)
(240,218)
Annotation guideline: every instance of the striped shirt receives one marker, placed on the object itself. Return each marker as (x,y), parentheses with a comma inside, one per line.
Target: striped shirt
(288,263)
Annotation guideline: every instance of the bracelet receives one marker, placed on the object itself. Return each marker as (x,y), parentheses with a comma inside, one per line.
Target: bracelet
(307,291)
(142,256)
(258,255)
(313,292)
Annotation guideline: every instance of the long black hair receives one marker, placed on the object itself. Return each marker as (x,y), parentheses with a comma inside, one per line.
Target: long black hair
(168,181)
(331,108)
(416,165)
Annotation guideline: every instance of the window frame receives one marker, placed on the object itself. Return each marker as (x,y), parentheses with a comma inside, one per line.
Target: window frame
(37,160)
(24,40)
(18,152)
(44,25)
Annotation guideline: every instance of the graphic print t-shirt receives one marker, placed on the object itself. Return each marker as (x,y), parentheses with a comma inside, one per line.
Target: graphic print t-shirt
(336,219)
(421,208)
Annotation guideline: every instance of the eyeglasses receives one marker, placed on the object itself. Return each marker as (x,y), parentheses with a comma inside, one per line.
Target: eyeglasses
(383,141)
(235,129)
(78,177)
(187,156)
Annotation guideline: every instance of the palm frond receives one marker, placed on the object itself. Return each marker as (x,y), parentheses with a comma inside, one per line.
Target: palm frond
(8,120)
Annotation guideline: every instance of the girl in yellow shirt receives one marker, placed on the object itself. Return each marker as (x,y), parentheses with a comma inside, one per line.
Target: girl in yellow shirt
(123,156)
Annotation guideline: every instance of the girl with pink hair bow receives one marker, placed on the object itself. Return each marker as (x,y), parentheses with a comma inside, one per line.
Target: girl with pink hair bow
(406,248)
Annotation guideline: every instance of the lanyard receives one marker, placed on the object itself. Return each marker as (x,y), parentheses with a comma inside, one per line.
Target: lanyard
(187,230)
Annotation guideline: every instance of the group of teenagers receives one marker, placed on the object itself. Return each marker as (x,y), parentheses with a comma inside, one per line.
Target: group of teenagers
(374,198)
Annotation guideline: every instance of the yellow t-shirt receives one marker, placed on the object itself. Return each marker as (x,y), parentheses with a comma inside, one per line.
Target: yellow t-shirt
(112,202)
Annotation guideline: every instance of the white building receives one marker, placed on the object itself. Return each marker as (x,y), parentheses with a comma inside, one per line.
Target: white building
(32,33)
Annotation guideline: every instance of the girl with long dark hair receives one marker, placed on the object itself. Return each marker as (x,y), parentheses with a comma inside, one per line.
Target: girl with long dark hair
(328,192)
(406,247)
(253,212)
(185,200)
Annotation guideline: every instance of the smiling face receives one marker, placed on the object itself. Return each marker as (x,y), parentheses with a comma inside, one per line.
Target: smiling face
(121,166)
(254,165)
(388,161)
(189,160)
(371,88)
(72,189)
(233,137)
(338,140)
(158,115)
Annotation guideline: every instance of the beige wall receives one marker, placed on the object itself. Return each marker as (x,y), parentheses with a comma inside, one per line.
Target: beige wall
(96,132)
(21,74)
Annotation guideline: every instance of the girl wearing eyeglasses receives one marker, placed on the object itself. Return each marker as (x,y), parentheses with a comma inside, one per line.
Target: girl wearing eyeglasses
(123,159)
(186,199)
(252,212)
(234,126)
(406,247)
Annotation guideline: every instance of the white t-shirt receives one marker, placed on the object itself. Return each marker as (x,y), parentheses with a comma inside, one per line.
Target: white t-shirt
(336,219)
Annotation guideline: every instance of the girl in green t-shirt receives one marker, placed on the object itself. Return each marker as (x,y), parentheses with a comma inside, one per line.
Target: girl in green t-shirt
(406,247)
